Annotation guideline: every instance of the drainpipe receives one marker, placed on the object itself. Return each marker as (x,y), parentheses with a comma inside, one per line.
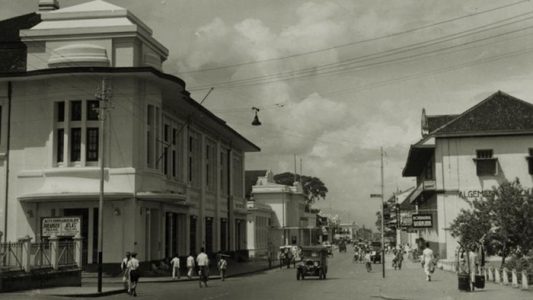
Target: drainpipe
(228,239)
(9,92)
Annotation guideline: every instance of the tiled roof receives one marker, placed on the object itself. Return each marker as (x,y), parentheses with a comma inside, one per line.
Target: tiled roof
(435,122)
(498,114)
(10,27)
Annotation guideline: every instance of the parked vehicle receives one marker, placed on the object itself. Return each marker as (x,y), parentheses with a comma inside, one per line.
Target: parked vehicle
(314,262)
(375,255)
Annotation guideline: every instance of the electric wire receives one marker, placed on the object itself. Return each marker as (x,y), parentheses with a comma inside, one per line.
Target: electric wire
(361,41)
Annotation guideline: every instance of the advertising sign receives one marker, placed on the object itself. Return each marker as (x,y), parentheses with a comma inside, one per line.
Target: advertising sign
(406,220)
(63,226)
(422,221)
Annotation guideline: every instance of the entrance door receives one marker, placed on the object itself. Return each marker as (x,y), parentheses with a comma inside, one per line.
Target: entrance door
(84,214)
(209,235)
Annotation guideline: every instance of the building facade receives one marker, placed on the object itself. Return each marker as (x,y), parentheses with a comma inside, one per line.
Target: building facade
(462,157)
(291,222)
(173,171)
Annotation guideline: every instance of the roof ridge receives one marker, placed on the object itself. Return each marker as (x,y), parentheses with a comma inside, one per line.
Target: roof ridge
(461,115)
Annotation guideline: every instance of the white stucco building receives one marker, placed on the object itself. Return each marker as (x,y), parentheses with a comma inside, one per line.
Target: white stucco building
(174,172)
(290,222)
(463,156)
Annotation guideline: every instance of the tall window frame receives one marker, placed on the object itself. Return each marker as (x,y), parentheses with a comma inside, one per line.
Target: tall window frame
(77,133)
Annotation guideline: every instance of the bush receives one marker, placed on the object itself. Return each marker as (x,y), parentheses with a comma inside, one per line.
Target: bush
(520,264)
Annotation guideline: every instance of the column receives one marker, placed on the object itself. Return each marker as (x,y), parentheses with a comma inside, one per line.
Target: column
(54,252)
(26,253)
(201,210)
(78,250)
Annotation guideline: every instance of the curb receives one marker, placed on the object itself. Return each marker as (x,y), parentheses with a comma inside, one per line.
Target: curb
(122,290)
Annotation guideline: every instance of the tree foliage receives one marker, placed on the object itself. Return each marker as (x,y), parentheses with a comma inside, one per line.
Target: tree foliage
(502,221)
(314,189)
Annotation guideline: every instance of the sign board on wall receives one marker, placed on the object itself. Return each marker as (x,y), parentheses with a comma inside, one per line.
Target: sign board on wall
(63,226)
(422,221)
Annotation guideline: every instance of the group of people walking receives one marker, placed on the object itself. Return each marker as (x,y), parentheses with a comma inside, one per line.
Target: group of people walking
(199,265)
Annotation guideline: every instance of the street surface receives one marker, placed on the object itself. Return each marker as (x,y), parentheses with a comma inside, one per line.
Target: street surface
(345,280)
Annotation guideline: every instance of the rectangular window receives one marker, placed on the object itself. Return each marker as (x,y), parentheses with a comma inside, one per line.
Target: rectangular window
(60,111)
(75,110)
(75,144)
(92,144)
(60,145)
(224,171)
(530,161)
(486,164)
(166,146)
(174,163)
(92,110)
(191,142)
(149,135)
(207,166)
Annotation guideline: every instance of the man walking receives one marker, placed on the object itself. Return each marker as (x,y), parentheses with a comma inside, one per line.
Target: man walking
(133,272)
(190,265)
(124,269)
(175,263)
(203,265)
(222,266)
(427,259)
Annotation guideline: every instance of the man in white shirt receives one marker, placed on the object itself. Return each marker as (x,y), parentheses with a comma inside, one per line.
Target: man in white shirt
(175,263)
(124,269)
(427,258)
(203,265)
(133,271)
(190,265)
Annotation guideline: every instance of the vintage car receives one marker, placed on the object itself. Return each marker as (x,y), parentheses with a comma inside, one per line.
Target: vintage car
(375,255)
(329,247)
(314,262)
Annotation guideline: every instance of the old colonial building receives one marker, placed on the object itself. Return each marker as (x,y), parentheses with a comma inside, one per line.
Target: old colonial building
(461,157)
(174,172)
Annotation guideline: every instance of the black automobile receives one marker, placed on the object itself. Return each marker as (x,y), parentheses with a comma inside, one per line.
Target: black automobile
(314,262)
(375,254)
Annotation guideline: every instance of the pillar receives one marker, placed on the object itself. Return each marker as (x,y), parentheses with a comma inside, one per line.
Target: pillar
(525,283)
(505,276)
(26,253)
(78,250)
(54,252)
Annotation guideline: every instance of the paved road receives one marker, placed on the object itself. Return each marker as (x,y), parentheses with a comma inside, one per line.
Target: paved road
(345,281)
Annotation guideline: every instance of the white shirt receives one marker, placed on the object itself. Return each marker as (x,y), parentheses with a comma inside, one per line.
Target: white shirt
(190,262)
(133,264)
(175,262)
(124,263)
(427,255)
(202,259)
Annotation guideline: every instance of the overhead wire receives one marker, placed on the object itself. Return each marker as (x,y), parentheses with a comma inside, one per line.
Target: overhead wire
(316,70)
(360,41)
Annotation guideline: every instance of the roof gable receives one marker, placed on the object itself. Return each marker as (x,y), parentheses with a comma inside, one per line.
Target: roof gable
(499,113)
(97,5)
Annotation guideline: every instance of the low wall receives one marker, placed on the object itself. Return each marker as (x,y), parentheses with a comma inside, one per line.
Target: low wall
(38,279)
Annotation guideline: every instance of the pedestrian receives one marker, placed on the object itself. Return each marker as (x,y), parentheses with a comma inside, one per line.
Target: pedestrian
(368,261)
(190,265)
(133,271)
(222,266)
(124,269)
(428,261)
(203,265)
(175,263)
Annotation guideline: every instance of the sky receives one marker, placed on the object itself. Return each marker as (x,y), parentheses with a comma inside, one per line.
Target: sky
(335,80)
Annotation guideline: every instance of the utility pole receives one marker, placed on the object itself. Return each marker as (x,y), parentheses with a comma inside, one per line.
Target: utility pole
(382,217)
(102,95)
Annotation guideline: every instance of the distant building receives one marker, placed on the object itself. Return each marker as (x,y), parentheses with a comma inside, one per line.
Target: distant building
(174,172)
(461,157)
(290,223)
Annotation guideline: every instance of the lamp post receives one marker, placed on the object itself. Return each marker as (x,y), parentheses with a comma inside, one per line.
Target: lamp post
(381,196)
(103,96)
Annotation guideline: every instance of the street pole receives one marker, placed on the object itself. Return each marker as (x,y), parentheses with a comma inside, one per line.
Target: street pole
(102,96)
(382,217)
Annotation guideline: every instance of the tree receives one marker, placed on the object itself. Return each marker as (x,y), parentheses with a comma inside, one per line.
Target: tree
(313,188)
(504,220)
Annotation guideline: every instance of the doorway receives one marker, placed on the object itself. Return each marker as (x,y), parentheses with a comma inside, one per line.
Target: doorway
(83,213)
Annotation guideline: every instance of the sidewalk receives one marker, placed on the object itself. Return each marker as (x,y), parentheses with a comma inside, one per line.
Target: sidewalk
(114,285)
(410,283)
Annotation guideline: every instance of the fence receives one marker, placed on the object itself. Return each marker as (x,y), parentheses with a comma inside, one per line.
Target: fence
(11,256)
(24,255)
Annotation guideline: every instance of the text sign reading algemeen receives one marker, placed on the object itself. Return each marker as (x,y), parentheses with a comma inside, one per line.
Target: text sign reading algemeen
(422,221)
(67,226)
